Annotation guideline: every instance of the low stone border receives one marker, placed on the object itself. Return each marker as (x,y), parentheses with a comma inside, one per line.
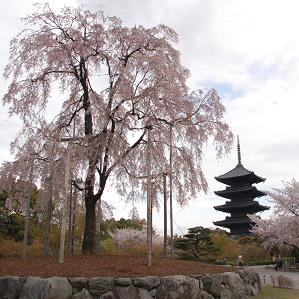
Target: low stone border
(229,285)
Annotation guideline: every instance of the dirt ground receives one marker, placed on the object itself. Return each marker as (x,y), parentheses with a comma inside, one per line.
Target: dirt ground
(101,266)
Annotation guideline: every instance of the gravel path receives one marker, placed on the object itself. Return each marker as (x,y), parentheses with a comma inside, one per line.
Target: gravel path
(266,275)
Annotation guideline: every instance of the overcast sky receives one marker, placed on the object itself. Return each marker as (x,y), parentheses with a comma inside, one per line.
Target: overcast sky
(247,50)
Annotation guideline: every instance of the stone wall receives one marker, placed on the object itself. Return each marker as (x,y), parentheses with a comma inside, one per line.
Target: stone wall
(229,285)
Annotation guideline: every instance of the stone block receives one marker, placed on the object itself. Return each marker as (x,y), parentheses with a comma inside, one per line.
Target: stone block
(33,288)
(78,283)
(100,285)
(127,293)
(147,282)
(10,286)
(57,288)
(124,282)
(212,284)
(236,285)
(178,287)
(84,294)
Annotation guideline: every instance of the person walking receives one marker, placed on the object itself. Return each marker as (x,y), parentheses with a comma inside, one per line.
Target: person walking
(240,261)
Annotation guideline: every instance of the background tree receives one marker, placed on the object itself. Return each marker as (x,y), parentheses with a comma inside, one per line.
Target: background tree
(282,227)
(12,214)
(113,80)
(133,241)
(110,226)
(196,244)
(227,248)
(11,224)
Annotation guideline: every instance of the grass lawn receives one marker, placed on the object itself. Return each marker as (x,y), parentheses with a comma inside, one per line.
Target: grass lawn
(269,292)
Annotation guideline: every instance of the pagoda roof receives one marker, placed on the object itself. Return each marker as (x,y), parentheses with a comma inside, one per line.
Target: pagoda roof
(233,192)
(237,174)
(232,221)
(252,206)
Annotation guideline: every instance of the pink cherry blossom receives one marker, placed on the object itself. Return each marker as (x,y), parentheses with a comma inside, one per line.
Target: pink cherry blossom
(116,82)
(282,228)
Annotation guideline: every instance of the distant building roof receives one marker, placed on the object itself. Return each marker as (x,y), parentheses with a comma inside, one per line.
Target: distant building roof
(250,206)
(231,221)
(237,174)
(240,192)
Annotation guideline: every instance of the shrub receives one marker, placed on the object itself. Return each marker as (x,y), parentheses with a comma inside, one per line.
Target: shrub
(36,250)
(108,247)
(227,247)
(254,250)
(11,248)
(282,282)
(259,261)
(131,241)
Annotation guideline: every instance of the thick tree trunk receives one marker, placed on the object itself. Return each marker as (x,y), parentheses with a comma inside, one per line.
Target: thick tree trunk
(89,239)
(99,221)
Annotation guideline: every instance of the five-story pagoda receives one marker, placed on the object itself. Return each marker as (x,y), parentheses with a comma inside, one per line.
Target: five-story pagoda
(241,195)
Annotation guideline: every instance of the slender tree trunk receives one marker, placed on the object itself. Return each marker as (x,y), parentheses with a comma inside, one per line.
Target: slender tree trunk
(64,209)
(89,239)
(48,220)
(149,201)
(165,215)
(27,216)
(170,193)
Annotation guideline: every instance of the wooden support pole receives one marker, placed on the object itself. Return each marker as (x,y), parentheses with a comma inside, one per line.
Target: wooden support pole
(149,200)
(49,214)
(170,193)
(71,210)
(69,244)
(27,215)
(74,219)
(165,215)
(63,220)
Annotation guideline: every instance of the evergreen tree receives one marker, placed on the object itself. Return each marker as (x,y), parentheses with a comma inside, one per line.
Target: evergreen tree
(196,244)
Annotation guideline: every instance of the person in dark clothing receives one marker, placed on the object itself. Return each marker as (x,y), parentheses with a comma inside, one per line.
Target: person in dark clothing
(278,264)
(240,261)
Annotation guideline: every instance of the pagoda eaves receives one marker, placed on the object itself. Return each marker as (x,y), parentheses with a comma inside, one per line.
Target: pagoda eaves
(231,221)
(238,175)
(234,193)
(252,206)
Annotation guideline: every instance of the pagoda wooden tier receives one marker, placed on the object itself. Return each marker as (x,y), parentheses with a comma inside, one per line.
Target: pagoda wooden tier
(241,194)
(238,175)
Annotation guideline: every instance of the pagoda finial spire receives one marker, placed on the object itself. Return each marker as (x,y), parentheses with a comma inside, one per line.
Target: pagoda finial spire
(239,151)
